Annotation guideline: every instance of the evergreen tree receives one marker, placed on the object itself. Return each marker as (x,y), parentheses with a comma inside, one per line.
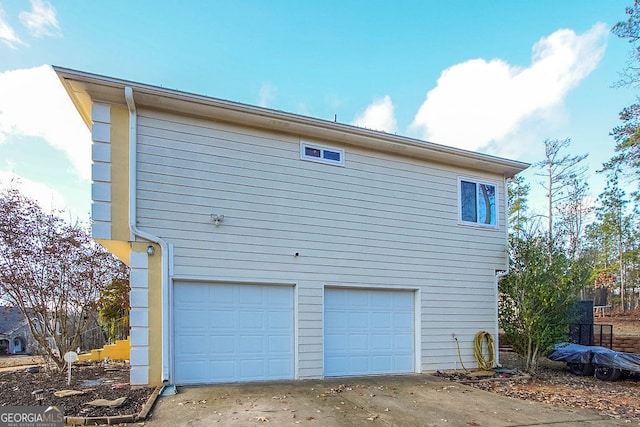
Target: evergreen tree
(518,194)
(613,230)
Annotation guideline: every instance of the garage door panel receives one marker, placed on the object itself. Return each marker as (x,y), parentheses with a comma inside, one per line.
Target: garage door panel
(224,344)
(189,370)
(251,319)
(368,331)
(382,363)
(405,341)
(339,364)
(223,294)
(359,364)
(252,369)
(403,319)
(225,371)
(381,342)
(192,319)
(357,343)
(276,295)
(336,342)
(277,344)
(380,301)
(251,345)
(381,320)
(279,320)
(336,320)
(401,361)
(196,296)
(222,320)
(357,320)
(245,333)
(279,367)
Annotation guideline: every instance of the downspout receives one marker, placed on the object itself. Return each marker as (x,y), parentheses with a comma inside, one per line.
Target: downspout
(164,247)
(502,273)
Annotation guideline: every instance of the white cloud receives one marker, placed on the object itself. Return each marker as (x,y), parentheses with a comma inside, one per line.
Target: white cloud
(41,20)
(7,35)
(378,115)
(479,103)
(48,198)
(34,103)
(267,94)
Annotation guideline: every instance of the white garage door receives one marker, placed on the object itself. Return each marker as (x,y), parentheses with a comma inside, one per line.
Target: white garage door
(368,332)
(228,333)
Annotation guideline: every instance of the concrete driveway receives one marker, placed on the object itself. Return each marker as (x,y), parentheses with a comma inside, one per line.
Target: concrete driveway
(412,400)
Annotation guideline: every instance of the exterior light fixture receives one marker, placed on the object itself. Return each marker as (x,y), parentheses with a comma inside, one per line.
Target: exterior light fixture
(151,250)
(217,219)
(38,395)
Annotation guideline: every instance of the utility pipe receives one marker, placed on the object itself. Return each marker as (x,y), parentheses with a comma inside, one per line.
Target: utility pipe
(164,247)
(502,273)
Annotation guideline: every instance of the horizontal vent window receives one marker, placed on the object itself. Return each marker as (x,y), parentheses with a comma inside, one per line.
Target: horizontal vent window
(319,153)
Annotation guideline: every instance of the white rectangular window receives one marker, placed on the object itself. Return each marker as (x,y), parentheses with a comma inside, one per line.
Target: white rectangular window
(477,202)
(321,153)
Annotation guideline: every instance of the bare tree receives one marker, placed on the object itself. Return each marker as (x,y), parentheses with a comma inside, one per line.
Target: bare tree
(630,30)
(573,213)
(52,271)
(560,171)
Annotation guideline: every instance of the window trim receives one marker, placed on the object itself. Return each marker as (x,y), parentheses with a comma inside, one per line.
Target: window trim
(477,182)
(322,149)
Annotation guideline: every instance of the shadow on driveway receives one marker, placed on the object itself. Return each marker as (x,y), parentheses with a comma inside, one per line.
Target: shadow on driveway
(411,400)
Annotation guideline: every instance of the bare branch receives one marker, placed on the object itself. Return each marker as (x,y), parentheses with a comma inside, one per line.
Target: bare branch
(52,271)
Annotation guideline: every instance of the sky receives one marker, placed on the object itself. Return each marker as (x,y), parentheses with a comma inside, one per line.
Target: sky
(496,77)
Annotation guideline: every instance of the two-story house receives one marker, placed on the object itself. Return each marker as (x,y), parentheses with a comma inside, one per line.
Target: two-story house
(267,245)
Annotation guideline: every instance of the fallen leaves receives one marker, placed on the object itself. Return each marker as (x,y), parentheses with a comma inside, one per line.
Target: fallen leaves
(555,385)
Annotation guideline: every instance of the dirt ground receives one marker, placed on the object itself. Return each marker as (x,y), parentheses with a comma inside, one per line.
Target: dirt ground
(19,360)
(554,384)
(625,324)
(95,381)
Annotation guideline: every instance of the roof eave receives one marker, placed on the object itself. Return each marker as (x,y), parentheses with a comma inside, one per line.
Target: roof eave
(84,88)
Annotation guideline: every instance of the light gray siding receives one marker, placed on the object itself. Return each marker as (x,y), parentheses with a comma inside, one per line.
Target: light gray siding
(382,220)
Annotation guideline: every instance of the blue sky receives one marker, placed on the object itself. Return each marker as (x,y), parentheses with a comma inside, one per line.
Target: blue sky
(495,76)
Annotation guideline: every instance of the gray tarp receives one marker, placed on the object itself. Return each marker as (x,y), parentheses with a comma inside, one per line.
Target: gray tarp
(576,353)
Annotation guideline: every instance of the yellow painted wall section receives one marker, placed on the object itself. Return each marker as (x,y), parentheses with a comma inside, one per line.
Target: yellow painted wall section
(120,177)
(120,249)
(120,234)
(155,311)
(120,350)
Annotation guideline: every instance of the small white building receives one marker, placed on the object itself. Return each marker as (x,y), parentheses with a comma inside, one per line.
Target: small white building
(267,245)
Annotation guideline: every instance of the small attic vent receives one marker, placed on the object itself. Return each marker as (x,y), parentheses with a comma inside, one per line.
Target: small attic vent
(322,154)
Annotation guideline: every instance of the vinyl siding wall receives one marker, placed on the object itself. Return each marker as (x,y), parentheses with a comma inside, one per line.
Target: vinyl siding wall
(380,221)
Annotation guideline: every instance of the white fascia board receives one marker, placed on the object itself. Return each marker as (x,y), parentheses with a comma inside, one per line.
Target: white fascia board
(108,89)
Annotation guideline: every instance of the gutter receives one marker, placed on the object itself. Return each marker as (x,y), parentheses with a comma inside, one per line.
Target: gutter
(164,247)
(502,273)
(78,83)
